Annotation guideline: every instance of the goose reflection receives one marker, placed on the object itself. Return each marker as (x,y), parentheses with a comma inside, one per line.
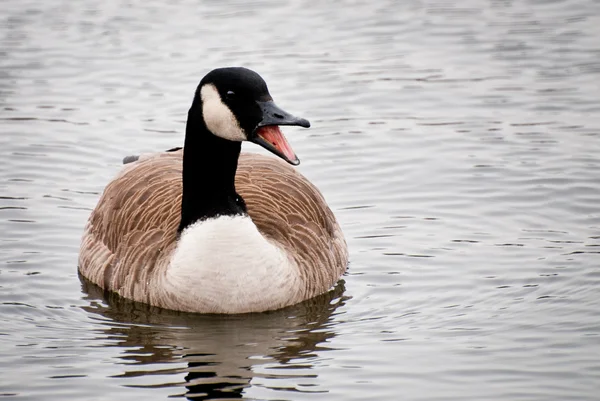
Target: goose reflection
(217,356)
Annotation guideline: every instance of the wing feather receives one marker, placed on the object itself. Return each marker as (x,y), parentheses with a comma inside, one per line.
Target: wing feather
(132,232)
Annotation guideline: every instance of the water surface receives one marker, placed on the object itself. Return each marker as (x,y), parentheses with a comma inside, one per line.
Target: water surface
(458,146)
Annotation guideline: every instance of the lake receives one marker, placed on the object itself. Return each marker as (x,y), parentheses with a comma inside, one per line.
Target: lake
(458,144)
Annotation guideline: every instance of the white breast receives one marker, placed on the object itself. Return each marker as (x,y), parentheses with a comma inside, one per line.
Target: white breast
(225,265)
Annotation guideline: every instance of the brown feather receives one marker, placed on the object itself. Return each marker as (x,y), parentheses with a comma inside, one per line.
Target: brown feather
(132,232)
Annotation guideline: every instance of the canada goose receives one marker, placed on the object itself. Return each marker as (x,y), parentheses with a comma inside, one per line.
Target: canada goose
(207,229)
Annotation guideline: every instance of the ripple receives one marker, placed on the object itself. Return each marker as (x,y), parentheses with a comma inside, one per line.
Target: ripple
(457,145)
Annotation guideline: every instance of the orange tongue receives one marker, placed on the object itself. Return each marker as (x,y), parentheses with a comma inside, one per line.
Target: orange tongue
(274,136)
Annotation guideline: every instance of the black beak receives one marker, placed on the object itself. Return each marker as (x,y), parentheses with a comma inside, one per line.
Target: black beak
(273,115)
(268,135)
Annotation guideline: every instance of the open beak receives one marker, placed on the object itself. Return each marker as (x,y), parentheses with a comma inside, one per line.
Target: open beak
(268,135)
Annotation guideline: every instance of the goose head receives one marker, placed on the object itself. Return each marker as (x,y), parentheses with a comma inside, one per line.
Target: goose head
(236,106)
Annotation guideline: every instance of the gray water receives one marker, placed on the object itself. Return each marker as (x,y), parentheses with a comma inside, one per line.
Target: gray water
(458,145)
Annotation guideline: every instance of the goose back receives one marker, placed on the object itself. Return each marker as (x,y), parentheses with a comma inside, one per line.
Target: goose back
(132,234)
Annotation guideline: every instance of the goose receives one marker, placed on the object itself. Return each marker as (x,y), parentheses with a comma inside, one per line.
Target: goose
(209,229)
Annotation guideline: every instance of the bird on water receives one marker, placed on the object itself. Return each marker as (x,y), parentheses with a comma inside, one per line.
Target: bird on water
(210,229)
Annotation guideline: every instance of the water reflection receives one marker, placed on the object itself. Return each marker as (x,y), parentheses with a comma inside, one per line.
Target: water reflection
(216,356)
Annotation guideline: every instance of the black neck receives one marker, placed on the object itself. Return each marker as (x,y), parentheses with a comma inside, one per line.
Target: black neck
(209,167)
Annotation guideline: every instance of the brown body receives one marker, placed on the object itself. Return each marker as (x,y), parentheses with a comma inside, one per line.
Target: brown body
(132,233)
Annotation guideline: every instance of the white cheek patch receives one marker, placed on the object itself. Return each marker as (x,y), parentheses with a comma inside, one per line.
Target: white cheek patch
(218,117)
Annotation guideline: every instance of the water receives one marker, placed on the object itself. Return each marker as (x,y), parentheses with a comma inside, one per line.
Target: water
(458,146)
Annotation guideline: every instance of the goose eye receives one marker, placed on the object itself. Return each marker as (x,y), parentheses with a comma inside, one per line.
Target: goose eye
(230,95)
